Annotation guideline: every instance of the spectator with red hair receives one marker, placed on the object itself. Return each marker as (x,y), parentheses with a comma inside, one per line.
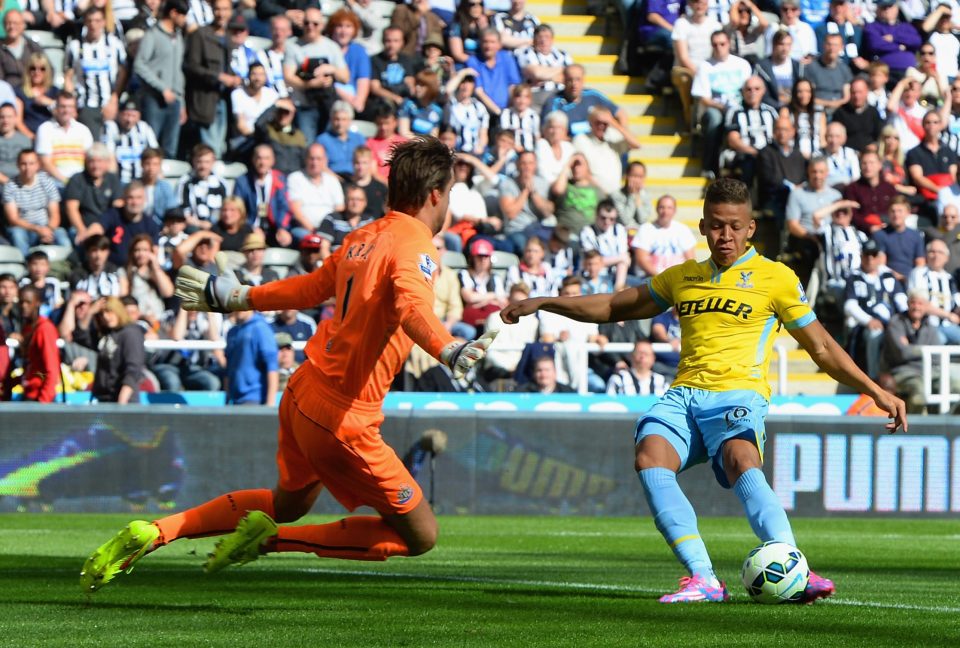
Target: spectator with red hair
(343,27)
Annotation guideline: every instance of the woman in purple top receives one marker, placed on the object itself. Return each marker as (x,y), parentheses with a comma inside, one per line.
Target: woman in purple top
(891,41)
(655,22)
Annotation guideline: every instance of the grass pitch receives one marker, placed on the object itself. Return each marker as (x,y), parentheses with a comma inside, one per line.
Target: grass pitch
(490,582)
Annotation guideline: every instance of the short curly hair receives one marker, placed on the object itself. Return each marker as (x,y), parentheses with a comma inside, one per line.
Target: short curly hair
(727,191)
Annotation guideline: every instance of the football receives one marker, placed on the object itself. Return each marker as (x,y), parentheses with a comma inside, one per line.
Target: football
(775,572)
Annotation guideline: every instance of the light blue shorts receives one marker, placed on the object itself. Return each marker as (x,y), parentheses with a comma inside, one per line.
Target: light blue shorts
(698,422)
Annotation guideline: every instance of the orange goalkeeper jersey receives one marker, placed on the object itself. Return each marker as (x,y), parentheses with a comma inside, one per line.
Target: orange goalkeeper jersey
(382,277)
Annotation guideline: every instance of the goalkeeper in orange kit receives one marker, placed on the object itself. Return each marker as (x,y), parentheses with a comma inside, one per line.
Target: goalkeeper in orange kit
(330,413)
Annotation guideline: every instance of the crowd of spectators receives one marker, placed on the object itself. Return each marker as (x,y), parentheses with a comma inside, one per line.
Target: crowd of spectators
(166,132)
(277,120)
(844,117)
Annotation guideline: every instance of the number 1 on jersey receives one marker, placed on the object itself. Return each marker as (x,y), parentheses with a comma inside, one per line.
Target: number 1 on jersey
(346,298)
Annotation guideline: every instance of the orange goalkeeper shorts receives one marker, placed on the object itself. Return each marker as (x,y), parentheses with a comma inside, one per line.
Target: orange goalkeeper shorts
(320,440)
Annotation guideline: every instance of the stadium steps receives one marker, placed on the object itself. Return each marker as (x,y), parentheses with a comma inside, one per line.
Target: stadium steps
(641,125)
(579,45)
(598,64)
(659,146)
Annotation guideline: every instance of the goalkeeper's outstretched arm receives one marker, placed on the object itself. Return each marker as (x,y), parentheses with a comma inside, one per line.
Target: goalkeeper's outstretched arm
(223,292)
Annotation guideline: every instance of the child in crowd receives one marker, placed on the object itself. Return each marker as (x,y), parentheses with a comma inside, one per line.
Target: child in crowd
(502,156)
(172,234)
(878,75)
(38,271)
(363,168)
(534,271)
(520,118)
(421,115)
(466,114)
(99,277)
(385,138)
(596,279)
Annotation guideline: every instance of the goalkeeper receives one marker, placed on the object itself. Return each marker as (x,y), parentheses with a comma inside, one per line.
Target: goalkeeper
(330,414)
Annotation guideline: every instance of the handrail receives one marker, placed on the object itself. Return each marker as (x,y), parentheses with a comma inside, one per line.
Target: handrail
(780,388)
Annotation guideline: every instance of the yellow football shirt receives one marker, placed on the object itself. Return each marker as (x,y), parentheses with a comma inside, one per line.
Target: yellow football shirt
(729,318)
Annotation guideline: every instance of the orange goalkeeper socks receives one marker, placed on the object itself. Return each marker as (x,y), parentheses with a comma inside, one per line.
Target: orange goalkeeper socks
(352,538)
(218,516)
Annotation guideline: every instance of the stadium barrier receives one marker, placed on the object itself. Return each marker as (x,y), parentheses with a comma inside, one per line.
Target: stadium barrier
(780,388)
(144,460)
(939,394)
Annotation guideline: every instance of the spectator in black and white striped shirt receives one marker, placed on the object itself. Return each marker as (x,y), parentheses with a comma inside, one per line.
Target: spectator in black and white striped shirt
(542,64)
(127,138)
(933,279)
(281,29)
(842,249)
(640,379)
(466,114)
(520,118)
(750,129)
(516,26)
(843,163)
(201,192)
(95,69)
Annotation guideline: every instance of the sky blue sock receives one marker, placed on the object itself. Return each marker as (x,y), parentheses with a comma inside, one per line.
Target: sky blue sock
(764,511)
(675,519)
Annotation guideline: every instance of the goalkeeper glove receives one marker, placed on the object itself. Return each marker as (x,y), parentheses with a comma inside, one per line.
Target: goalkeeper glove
(202,291)
(461,357)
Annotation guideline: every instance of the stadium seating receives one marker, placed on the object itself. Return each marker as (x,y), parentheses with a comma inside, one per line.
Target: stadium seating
(15,269)
(173,170)
(454,260)
(503,261)
(11,261)
(44,39)
(229,171)
(235,259)
(54,252)
(365,128)
(257,43)
(55,56)
(280,259)
(10,254)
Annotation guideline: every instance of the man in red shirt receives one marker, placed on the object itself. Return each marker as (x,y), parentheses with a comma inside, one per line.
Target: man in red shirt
(330,415)
(41,371)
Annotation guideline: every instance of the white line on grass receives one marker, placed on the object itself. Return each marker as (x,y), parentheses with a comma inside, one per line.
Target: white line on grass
(644,533)
(601,587)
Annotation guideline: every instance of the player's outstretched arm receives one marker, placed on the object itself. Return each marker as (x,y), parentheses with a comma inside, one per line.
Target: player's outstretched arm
(830,357)
(223,292)
(632,303)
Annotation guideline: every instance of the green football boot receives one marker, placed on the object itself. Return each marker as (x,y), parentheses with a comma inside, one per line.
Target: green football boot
(118,554)
(243,545)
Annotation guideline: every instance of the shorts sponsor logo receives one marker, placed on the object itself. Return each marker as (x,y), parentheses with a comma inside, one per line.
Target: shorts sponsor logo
(734,416)
(404,494)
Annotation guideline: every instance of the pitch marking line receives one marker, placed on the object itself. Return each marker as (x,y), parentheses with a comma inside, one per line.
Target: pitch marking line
(601,587)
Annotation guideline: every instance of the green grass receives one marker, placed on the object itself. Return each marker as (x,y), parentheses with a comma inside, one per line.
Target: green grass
(491,581)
